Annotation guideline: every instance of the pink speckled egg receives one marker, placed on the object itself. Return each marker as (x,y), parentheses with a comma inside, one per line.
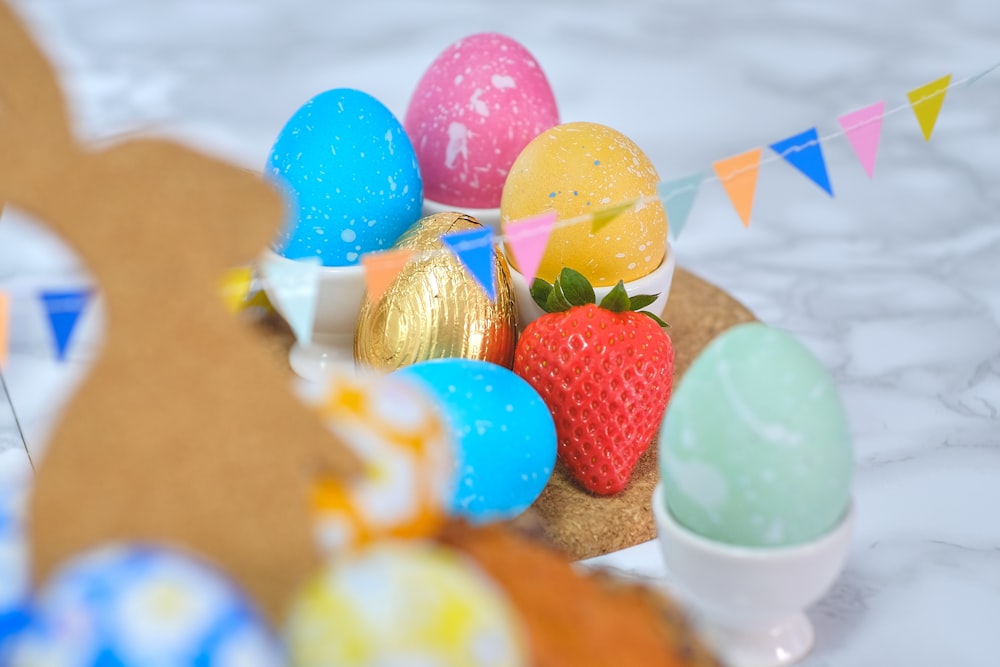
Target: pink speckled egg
(479,103)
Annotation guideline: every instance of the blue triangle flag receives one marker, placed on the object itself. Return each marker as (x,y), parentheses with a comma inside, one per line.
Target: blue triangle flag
(804,152)
(678,197)
(474,248)
(63,309)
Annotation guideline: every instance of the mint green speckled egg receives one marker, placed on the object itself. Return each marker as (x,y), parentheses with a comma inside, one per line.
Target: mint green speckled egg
(754,448)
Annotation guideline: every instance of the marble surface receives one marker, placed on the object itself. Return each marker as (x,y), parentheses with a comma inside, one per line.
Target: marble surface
(892,283)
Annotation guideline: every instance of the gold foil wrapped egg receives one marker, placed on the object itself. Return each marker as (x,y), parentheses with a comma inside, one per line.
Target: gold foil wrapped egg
(434,308)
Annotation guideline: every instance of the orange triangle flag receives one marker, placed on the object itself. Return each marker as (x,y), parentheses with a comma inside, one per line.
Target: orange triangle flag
(738,175)
(4,327)
(381,268)
(926,102)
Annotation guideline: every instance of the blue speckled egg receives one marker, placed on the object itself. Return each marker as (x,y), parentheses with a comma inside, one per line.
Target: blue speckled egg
(504,432)
(136,606)
(754,448)
(350,176)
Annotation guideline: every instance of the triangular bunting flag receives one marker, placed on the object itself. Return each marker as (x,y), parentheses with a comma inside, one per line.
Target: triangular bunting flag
(977,77)
(603,216)
(235,287)
(63,309)
(527,239)
(474,248)
(738,175)
(293,285)
(926,102)
(863,129)
(4,327)
(804,152)
(381,268)
(678,198)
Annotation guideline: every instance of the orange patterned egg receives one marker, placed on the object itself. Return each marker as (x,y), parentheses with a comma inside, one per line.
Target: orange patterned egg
(579,168)
(407,457)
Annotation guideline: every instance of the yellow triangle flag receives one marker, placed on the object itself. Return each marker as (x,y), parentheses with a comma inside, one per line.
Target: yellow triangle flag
(603,216)
(381,268)
(738,175)
(235,286)
(4,327)
(926,102)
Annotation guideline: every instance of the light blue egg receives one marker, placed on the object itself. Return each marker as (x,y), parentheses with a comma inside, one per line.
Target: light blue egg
(755,448)
(503,430)
(350,176)
(134,606)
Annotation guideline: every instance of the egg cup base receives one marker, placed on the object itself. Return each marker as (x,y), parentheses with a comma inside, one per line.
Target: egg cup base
(339,292)
(318,360)
(487,217)
(748,602)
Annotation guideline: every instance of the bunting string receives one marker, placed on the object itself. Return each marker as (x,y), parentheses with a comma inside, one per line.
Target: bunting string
(296,286)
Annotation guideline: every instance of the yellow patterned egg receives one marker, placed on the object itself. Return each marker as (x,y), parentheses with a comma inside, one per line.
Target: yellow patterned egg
(407,455)
(403,604)
(576,169)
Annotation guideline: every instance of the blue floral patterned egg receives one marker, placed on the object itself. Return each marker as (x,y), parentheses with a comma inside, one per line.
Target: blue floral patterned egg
(350,177)
(15,575)
(142,606)
(504,432)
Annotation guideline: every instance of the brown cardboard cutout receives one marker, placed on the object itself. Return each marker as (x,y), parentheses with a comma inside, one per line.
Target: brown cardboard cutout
(185,430)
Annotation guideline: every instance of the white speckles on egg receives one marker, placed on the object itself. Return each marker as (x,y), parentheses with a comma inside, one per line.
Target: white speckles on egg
(502,81)
(458,144)
(348,235)
(702,483)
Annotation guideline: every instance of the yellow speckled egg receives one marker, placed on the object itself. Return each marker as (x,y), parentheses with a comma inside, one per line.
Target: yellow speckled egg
(403,604)
(405,446)
(576,169)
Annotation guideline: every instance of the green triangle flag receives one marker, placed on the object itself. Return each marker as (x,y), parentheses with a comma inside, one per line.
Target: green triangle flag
(294,285)
(678,198)
(602,217)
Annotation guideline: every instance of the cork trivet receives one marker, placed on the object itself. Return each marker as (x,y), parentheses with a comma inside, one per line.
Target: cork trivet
(566,516)
(184,431)
(585,525)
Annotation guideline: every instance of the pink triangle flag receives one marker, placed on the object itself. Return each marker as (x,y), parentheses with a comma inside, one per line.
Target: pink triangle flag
(527,239)
(863,129)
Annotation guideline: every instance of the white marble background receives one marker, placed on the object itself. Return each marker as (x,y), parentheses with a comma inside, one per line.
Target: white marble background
(892,283)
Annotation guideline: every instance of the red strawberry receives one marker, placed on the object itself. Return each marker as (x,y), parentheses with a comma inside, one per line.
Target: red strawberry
(605,373)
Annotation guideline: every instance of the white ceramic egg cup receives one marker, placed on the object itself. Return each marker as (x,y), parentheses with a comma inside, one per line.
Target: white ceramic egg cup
(656,282)
(487,217)
(748,602)
(339,293)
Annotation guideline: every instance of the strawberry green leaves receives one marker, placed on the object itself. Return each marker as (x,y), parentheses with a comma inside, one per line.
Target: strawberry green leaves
(571,288)
(576,287)
(616,300)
